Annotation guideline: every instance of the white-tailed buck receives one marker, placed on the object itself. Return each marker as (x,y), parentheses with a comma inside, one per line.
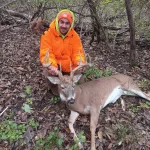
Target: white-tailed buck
(90,97)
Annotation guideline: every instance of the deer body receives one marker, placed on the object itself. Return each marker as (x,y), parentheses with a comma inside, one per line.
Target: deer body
(101,92)
(91,97)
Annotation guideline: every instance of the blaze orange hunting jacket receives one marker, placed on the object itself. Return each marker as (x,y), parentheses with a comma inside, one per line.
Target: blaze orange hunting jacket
(62,50)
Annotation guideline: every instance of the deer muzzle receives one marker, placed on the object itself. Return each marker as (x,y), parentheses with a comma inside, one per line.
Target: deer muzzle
(71,101)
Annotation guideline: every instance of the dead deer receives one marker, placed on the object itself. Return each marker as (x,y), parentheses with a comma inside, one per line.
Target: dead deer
(91,97)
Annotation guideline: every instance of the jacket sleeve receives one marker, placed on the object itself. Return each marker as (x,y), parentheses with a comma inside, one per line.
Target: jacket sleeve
(78,52)
(46,46)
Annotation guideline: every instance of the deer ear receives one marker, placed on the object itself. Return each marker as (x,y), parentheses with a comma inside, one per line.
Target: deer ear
(54,80)
(76,78)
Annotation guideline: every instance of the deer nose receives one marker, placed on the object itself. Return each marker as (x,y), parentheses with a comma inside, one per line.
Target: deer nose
(71,101)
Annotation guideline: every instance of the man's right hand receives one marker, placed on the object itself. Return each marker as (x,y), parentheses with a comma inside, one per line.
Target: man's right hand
(53,70)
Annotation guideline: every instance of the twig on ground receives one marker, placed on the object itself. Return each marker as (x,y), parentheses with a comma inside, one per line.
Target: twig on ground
(3,111)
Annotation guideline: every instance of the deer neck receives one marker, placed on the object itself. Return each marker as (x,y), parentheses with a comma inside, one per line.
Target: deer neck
(79,105)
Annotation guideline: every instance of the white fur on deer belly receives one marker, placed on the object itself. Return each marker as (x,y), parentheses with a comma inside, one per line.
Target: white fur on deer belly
(114,95)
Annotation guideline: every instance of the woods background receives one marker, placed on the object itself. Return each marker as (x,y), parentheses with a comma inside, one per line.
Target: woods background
(115,33)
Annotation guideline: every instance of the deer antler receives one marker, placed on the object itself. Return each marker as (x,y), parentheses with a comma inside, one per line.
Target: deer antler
(70,66)
(60,75)
(81,65)
(46,62)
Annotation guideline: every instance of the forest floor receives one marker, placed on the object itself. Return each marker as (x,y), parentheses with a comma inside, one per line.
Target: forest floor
(20,68)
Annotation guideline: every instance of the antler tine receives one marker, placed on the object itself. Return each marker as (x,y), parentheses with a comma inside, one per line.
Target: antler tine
(60,67)
(60,75)
(70,66)
(80,66)
(88,57)
(80,57)
(46,62)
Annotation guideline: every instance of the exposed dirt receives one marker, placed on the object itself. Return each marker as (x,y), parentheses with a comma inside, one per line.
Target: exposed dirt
(20,66)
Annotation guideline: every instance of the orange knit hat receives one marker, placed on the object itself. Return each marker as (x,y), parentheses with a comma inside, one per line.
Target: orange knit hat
(66,15)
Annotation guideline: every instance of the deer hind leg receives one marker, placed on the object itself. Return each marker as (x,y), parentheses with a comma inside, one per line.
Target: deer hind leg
(142,94)
(134,90)
(73,116)
(93,124)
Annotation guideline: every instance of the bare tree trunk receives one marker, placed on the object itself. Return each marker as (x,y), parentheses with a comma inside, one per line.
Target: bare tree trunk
(132,32)
(97,26)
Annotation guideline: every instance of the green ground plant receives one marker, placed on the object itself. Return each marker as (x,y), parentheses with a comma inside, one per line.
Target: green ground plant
(33,123)
(145,105)
(53,140)
(143,84)
(28,96)
(11,131)
(55,99)
(92,73)
(134,108)
(107,73)
(122,131)
(81,138)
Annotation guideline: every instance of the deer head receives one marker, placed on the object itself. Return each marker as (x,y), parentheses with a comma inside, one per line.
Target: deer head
(66,84)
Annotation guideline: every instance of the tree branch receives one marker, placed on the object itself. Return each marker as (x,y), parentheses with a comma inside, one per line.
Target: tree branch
(16,14)
(8,3)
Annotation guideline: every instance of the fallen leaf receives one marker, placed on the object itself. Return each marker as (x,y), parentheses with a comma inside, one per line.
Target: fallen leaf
(110,146)
(67,130)
(27,108)
(123,104)
(20,68)
(100,135)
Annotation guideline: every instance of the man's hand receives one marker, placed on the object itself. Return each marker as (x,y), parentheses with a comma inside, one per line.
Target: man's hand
(53,70)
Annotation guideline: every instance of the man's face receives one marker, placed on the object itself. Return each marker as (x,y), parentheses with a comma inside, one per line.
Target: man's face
(64,26)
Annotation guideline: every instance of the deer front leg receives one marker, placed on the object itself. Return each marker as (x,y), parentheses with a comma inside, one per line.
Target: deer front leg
(73,116)
(93,124)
